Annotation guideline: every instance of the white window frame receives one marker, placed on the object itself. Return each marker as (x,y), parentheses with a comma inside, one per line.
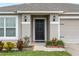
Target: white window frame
(12,38)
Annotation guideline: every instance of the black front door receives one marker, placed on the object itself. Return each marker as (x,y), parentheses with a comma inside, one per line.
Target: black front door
(39,30)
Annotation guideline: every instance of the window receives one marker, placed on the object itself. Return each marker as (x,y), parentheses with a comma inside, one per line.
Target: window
(10,32)
(1,26)
(8,26)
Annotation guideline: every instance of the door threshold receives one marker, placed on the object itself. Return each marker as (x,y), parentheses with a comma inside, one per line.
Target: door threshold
(39,41)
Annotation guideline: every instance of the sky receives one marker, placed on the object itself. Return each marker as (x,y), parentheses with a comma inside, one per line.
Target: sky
(6,4)
(14,2)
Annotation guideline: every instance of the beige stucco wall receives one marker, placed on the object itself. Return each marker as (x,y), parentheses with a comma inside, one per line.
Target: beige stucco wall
(26,26)
(53,31)
(53,27)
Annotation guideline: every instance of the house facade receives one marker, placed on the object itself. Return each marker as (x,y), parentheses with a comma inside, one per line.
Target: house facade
(40,22)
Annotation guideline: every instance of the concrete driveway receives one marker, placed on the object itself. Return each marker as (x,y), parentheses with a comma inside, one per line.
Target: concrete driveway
(73,49)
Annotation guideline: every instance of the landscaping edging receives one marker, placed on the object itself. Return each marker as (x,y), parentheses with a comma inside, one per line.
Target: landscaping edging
(43,48)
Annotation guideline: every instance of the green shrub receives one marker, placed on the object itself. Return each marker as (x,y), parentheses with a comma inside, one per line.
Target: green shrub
(8,45)
(1,45)
(55,42)
(49,43)
(60,43)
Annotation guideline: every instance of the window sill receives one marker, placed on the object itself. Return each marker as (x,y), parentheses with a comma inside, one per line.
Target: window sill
(8,38)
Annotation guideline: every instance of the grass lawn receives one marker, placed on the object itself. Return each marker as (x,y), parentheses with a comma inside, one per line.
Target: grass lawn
(34,53)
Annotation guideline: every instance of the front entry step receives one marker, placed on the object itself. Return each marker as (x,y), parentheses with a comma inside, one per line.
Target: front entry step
(41,47)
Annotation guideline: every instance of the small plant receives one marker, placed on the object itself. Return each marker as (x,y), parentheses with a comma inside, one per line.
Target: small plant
(20,45)
(60,43)
(26,41)
(54,41)
(48,43)
(8,45)
(1,45)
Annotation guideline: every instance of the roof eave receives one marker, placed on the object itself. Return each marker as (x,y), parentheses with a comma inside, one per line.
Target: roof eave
(71,13)
(7,12)
(59,12)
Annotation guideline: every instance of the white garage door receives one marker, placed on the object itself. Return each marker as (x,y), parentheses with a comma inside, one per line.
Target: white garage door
(70,30)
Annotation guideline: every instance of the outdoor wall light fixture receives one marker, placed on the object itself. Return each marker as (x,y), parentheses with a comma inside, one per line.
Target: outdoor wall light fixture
(25,18)
(54,17)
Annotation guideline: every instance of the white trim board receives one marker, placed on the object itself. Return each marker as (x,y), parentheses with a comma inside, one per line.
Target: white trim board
(69,17)
(54,22)
(71,13)
(39,11)
(59,29)
(60,12)
(7,12)
(25,22)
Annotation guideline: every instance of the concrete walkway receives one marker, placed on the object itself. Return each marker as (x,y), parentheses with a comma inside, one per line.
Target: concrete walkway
(73,49)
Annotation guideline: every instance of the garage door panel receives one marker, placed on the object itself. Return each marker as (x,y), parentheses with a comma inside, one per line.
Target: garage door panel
(70,30)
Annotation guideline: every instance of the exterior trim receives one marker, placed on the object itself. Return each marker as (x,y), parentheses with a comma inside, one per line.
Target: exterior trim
(60,12)
(7,12)
(59,29)
(25,22)
(54,22)
(69,17)
(71,13)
